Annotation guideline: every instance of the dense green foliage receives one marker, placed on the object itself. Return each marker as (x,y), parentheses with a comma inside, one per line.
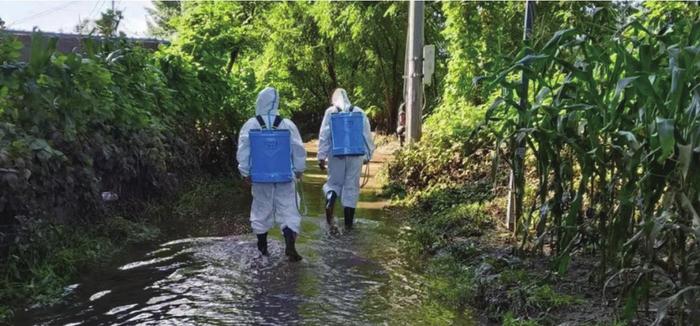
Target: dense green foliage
(357,46)
(476,45)
(307,49)
(74,126)
(602,151)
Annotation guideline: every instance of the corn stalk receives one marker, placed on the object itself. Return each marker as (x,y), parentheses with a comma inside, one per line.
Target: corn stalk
(613,122)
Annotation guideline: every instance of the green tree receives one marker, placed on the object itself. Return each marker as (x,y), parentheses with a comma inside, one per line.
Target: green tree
(479,43)
(305,49)
(312,48)
(162,14)
(215,34)
(108,24)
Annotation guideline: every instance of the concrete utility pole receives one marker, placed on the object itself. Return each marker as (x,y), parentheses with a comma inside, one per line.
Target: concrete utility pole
(414,48)
(514,198)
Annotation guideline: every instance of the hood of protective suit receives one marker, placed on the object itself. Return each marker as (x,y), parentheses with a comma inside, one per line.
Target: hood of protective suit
(340,99)
(268,102)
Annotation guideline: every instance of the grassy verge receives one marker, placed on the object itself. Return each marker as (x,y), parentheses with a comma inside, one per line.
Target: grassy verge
(473,265)
(46,257)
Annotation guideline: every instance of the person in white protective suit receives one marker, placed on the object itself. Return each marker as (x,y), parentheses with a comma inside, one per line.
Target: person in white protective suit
(273,201)
(343,171)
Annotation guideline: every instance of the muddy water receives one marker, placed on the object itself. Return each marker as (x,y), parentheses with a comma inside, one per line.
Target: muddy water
(357,278)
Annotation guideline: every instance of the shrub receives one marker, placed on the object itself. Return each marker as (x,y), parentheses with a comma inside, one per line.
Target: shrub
(127,121)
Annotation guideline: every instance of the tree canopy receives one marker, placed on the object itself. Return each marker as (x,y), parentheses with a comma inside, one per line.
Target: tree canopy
(306,49)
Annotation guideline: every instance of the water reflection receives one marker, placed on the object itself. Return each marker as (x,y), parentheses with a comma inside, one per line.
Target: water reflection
(359,277)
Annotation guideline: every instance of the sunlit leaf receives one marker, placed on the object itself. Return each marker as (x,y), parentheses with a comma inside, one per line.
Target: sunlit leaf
(685,156)
(623,83)
(667,141)
(532,58)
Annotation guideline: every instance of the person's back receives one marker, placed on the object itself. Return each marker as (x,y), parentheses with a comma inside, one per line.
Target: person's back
(343,170)
(272,201)
(401,128)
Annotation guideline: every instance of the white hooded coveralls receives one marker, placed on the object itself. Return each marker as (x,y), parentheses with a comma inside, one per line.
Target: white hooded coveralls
(344,171)
(272,201)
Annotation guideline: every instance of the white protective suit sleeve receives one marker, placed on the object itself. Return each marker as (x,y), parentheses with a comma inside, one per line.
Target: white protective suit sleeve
(243,152)
(298,150)
(324,135)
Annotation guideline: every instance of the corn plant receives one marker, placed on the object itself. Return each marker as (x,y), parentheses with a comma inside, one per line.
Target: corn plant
(613,123)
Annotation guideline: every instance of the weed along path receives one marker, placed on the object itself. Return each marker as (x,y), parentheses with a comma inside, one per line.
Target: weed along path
(361,277)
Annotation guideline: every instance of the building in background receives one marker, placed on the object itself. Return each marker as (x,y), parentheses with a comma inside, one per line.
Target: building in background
(68,43)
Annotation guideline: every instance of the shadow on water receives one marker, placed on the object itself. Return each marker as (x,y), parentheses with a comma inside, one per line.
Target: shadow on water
(359,277)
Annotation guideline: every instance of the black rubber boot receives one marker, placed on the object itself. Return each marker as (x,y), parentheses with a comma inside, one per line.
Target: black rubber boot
(330,204)
(289,240)
(262,244)
(349,216)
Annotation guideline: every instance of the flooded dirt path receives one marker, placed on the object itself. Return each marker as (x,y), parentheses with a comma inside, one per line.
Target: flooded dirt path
(360,277)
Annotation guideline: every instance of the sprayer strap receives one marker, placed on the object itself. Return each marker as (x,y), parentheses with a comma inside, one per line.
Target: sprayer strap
(352,107)
(275,124)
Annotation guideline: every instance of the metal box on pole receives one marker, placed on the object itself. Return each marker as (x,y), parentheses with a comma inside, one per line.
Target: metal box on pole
(428,64)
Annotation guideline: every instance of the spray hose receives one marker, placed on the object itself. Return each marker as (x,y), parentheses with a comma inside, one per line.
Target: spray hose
(299,190)
(365,177)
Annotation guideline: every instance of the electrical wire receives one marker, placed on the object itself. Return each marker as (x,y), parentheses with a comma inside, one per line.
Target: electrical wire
(365,179)
(42,13)
(97,3)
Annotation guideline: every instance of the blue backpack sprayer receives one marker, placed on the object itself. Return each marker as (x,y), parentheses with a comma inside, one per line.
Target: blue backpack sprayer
(271,154)
(347,136)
